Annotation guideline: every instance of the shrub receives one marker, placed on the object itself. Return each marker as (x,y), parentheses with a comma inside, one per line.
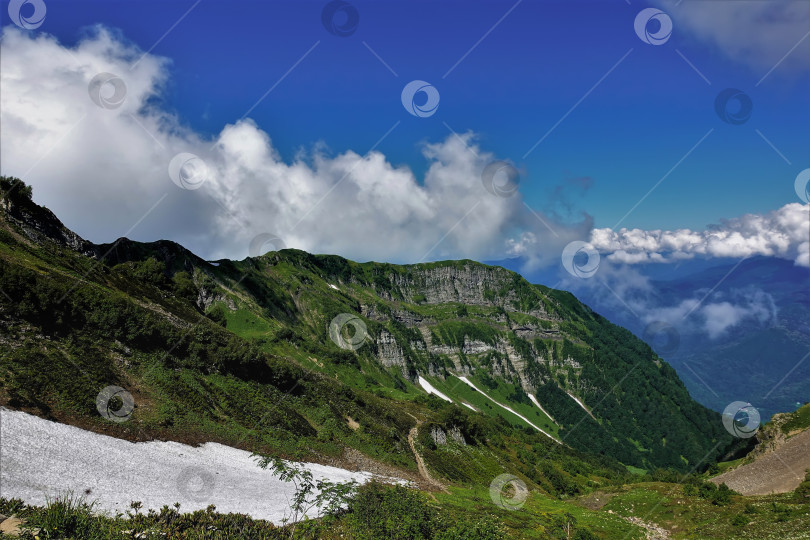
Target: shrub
(585,534)
(184,286)
(395,513)
(781,511)
(739,520)
(750,509)
(217,314)
(16,189)
(721,496)
(381,512)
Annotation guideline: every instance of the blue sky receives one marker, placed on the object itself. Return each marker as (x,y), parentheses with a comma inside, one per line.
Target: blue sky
(531,72)
(511,89)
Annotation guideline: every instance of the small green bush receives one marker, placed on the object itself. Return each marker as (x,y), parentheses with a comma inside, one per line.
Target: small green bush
(381,512)
(739,520)
(396,513)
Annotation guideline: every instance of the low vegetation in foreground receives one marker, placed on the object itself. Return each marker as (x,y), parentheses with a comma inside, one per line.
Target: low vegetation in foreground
(694,508)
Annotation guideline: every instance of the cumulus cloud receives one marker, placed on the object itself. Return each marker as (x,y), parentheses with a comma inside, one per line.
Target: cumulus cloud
(622,289)
(105,172)
(720,313)
(783,233)
(758,34)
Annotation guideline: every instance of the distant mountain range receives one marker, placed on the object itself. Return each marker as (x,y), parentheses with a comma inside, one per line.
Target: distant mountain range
(743,326)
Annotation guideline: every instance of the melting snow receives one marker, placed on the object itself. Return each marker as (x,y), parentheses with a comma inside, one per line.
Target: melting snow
(430,390)
(471,385)
(534,400)
(572,396)
(46,459)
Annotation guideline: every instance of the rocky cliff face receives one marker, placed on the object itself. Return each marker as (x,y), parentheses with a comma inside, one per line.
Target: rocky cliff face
(390,353)
(40,224)
(438,291)
(442,437)
(466,283)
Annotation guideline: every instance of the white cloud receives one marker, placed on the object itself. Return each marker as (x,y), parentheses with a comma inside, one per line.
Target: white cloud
(758,34)
(783,233)
(622,289)
(721,316)
(750,304)
(100,170)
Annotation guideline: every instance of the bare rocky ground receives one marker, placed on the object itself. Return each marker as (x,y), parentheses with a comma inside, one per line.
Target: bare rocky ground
(651,530)
(778,470)
(12,526)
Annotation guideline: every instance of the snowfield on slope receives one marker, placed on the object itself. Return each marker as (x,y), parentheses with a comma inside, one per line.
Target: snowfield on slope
(584,408)
(469,383)
(534,400)
(43,459)
(429,388)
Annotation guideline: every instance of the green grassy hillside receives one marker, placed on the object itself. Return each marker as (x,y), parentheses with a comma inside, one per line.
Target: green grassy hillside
(240,352)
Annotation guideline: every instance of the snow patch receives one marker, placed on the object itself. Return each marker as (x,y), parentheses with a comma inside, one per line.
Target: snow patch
(572,396)
(534,400)
(44,459)
(471,385)
(334,287)
(431,390)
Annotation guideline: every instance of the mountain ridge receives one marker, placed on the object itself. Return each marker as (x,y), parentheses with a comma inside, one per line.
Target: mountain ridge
(443,320)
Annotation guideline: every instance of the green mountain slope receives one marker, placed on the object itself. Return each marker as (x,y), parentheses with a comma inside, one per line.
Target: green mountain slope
(241,353)
(232,347)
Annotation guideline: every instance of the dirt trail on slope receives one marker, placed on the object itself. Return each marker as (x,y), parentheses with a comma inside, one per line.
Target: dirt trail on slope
(420,463)
(776,471)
